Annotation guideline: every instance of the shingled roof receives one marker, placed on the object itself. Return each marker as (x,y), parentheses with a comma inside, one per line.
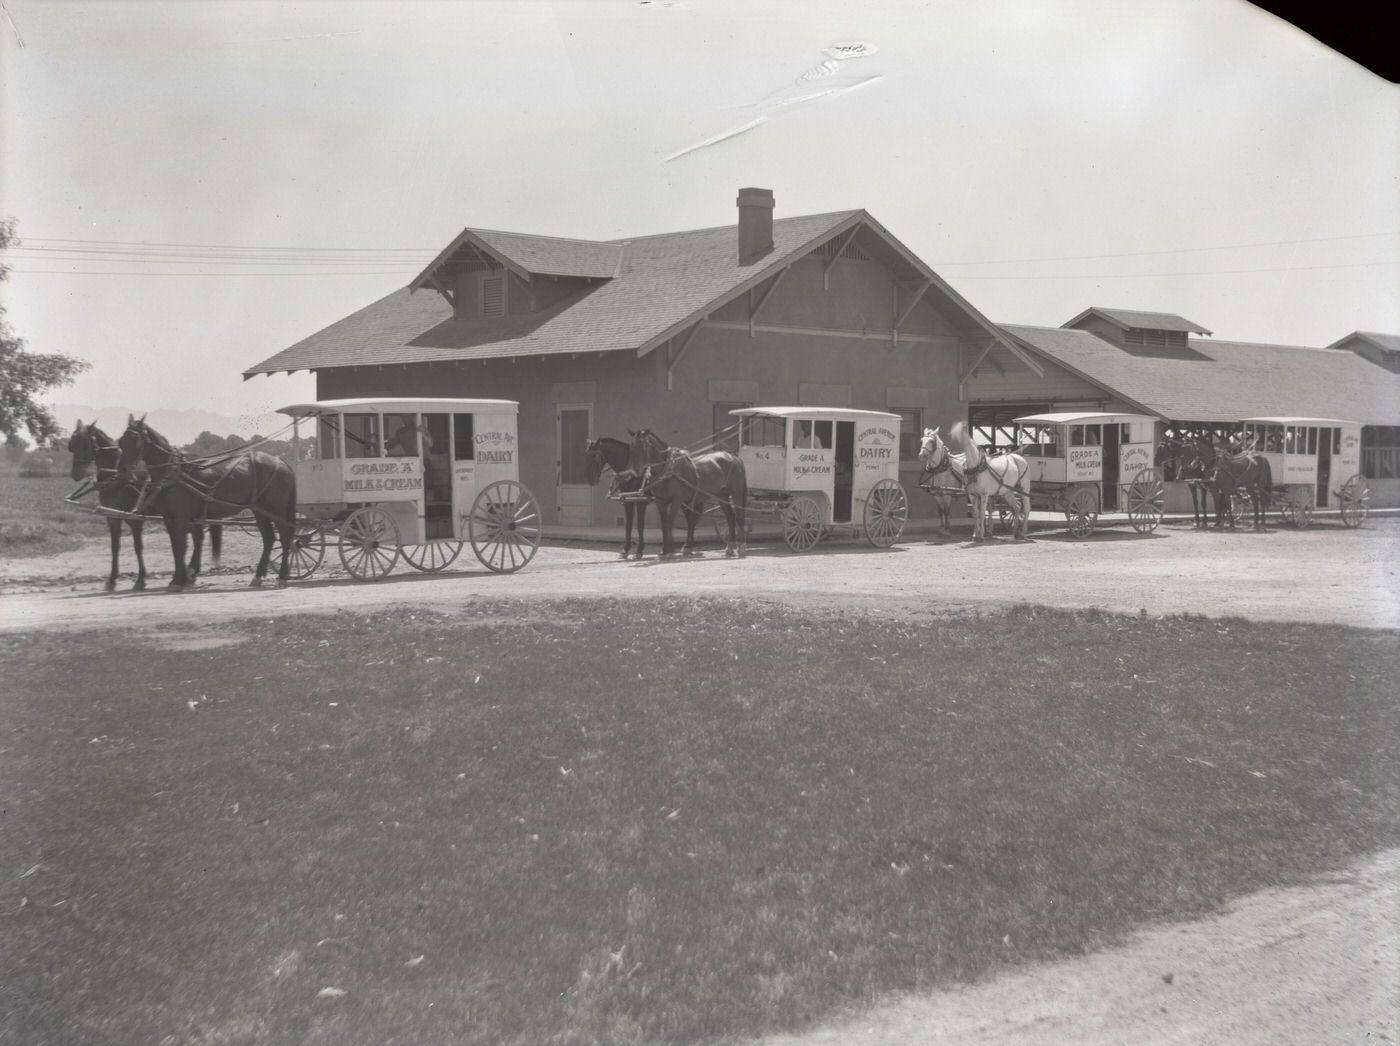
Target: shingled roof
(662,285)
(1226,381)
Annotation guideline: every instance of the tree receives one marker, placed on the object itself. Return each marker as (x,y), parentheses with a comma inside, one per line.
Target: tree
(24,375)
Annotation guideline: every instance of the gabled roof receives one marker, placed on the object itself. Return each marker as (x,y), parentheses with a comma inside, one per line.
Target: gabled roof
(1385,342)
(1228,381)
(528,255)
(664,285)
(1129,318)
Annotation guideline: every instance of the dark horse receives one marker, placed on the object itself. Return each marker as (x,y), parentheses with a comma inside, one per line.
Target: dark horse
(677,479)
(189,492)
(1179,459)
(1238,476)
(93,448)
(613,454)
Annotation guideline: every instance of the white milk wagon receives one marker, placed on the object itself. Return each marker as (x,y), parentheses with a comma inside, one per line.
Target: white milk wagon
(1304,455)
(412,477)
(1088,465)
(820,468)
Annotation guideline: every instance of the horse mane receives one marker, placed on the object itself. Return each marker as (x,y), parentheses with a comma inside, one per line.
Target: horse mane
(972,453)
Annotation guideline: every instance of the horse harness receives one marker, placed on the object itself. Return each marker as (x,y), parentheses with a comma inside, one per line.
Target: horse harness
(175,473)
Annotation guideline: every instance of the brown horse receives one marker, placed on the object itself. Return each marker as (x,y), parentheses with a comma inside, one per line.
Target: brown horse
(201,490)
(1246,475)
(677,479)
(613,454)
(93,448)
(1180,460)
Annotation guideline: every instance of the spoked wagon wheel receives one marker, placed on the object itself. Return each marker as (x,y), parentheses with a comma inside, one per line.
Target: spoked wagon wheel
(504,526)
(1356,500)
(308,549)
(1147,495)
(1297,506)
(1082,511)
(802,523)
(1241,511)
(886,512)
(369,543)
(433,556)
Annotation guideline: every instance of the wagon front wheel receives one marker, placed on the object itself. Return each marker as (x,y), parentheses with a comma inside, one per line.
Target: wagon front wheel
(433,556)
(369,543)
(308,550)
(1356,501)
(504,526)
(886,512)
(1082,511)
(1147,495)
(802,523)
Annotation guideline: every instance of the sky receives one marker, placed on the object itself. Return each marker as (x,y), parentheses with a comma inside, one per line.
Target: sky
(199,185)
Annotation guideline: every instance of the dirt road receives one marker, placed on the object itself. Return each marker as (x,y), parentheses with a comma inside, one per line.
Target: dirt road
(1319,964)
(1324,574)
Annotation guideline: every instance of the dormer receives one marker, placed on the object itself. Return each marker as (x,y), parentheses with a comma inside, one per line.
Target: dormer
(1141,333)
(485,274)
(1381,349)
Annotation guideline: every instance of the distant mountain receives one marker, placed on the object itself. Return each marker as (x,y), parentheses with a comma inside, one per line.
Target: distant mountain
(178,426)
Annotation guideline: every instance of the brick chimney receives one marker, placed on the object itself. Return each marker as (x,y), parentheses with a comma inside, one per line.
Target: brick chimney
(755,223)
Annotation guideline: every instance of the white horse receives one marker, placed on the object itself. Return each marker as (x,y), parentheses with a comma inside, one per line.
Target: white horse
(1005,476)
(937,459)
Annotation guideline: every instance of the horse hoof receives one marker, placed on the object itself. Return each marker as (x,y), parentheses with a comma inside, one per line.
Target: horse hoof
(109,586)
(174,586)
(626,554)
(140,586)
(256,583)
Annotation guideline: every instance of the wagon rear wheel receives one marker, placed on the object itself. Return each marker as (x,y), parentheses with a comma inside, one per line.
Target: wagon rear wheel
(802,523)
(1241,510)
(886,512)
(1298,506)
(433,556)
(1356,500)
(1147,495)
(308,549)
(504,526)
(1082,511)
(369,543)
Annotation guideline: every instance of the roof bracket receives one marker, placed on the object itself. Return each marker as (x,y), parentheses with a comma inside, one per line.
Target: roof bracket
(673,354)
(845,241)
(755,307)
(924,285)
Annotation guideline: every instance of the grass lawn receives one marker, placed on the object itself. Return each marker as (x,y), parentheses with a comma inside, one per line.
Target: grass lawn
(645,822)
(34,521)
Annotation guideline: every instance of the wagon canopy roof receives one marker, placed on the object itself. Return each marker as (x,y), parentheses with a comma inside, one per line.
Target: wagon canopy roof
(1084,418)
(398,405)
(629,295)
(1335,422)
(817,413)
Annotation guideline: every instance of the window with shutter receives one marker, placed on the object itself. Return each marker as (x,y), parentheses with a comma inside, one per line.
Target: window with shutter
(493,295)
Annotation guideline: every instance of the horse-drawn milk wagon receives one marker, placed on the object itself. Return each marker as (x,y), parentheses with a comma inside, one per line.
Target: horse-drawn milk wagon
(1090,465)
(412,477)
(823,468)
(1305,454)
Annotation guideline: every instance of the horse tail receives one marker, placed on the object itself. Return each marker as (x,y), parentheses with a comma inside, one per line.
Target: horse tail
(1266,481)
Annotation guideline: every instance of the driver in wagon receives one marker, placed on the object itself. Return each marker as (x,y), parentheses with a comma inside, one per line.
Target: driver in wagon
(404,442)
